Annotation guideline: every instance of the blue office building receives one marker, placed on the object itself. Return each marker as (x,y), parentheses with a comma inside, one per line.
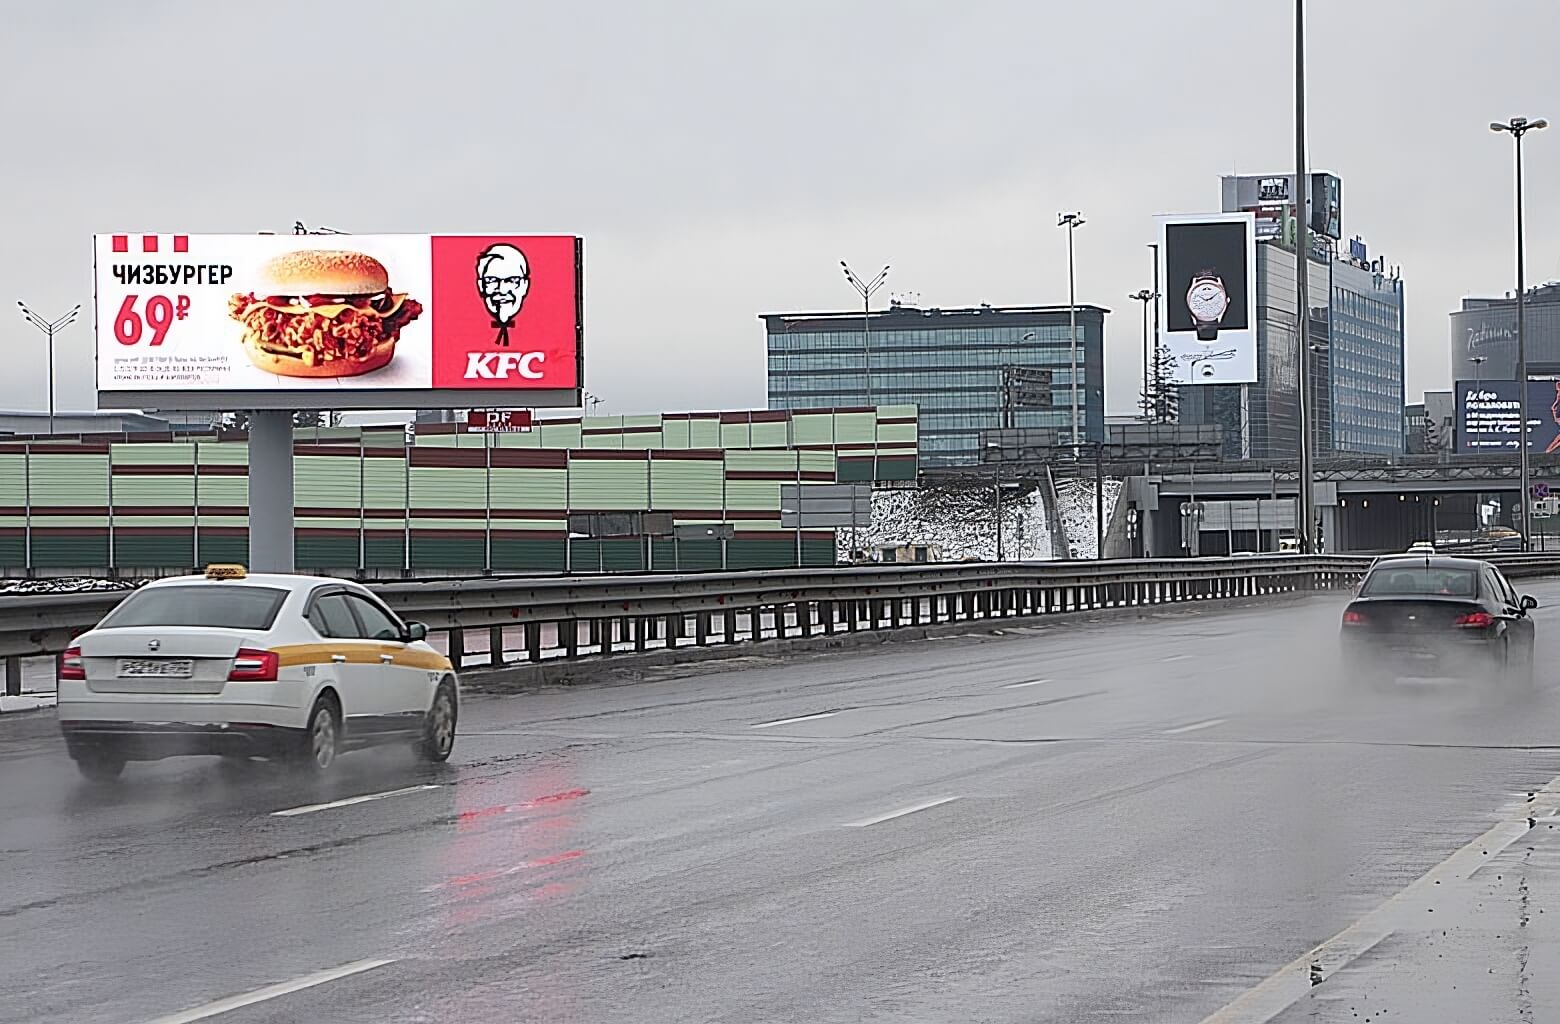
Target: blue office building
(947,362)
(1356,336)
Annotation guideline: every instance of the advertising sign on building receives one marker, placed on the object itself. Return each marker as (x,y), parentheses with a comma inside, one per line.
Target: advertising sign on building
(339,321)
(1274,199)
(498,421)
(1489,416)
(1209,300)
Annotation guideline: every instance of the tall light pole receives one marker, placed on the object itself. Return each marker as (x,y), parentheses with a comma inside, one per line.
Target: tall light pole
(1305,530)
(1518,127)
(1158,382)
(1072,222)
(50,328)
(1478,368)
(1145,297)
(866,289)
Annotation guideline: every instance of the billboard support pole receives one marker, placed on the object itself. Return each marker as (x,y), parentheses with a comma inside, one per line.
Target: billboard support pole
(270,490)
(1306,520)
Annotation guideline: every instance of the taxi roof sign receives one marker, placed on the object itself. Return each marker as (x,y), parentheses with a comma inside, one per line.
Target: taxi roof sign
(226,572)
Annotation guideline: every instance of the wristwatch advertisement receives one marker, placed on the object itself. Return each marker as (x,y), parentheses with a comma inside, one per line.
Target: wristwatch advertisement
(1207,300)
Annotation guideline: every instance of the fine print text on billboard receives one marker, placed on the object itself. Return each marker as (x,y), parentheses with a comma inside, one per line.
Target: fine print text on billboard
(1489,415)
(338,321)
(1209,311)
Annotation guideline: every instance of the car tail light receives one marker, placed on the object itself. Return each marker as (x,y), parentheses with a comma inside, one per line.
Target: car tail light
(1353,618)
(1475,620)
(71,667)
(252,666)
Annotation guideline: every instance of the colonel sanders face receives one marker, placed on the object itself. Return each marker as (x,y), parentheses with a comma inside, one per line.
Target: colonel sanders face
(503,278)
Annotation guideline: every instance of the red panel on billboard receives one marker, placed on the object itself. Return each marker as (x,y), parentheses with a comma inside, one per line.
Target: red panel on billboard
(508,312)
(498,421)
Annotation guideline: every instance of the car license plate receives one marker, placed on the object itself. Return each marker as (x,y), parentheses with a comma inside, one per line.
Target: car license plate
(161,668)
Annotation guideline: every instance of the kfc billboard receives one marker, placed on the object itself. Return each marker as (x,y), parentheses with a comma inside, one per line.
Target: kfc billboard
(1210,297)
(338,321)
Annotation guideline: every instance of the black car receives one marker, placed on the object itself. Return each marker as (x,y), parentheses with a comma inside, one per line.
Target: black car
(1437,617)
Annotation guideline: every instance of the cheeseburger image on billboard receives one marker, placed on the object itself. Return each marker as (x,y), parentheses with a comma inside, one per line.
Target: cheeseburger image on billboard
(322,313)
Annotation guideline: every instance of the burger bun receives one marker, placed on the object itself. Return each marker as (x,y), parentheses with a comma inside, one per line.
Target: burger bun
(323,272)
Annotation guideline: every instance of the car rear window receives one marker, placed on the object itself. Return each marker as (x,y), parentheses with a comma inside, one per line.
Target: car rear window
(1421,581)
(221,607)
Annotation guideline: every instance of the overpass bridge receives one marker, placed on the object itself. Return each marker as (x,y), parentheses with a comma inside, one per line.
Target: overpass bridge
(1365,504)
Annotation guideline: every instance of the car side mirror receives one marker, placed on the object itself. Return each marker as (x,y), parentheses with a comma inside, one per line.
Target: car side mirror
(1529,602)
(416,631)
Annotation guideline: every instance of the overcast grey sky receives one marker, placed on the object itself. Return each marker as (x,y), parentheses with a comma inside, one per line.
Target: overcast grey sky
(720,157)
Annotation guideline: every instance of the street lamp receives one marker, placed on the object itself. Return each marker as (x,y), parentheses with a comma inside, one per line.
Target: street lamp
(1145,297)
(1518,127)
(50,328)
(1072,222)
(866,289)
(1478,368)
(1306,525)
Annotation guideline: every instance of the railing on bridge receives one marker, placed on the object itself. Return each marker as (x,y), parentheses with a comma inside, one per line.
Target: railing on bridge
(479,621)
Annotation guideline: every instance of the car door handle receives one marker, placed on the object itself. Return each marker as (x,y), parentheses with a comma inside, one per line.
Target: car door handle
(339,659)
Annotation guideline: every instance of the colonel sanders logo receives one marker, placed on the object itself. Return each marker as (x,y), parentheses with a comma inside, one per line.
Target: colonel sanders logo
(503,278)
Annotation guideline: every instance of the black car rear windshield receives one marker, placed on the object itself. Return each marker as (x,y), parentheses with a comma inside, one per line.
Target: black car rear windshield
(1421,581)
(214,605)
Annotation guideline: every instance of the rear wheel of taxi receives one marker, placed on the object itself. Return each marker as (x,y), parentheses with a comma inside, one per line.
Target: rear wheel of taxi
(100,765)
(438,738)
(322,736)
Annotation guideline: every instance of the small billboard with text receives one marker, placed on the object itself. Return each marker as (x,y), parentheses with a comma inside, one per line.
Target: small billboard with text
(1489,416)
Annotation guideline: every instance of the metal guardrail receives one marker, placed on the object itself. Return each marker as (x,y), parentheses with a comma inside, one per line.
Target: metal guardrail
(544,619)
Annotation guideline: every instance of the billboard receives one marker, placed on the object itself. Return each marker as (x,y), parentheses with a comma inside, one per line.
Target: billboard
(1488,415)
(1209,266)
(1274,199)
(338,321)
(498,421)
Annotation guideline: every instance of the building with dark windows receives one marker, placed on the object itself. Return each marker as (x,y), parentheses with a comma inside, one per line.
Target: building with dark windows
(1356,336)
(1484,336)
(948,362)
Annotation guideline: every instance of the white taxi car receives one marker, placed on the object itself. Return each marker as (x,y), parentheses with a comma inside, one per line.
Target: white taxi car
(281,666)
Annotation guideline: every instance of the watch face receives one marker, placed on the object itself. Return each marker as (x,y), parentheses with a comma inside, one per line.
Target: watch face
(1207,301)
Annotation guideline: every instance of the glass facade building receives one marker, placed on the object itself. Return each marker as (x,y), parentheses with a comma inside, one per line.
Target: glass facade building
(1486,330)
(1356,331)
(946,362)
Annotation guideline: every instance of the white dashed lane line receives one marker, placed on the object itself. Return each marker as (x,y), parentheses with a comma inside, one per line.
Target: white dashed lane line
(891,815)
(788,721)
(1195,726)
(261,995)
(293,812)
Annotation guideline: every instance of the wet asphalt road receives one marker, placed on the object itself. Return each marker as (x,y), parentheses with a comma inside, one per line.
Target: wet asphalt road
(1138,819)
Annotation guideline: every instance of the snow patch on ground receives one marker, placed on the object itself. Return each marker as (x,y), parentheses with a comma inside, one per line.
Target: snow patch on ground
(1075,504)
(961,521)
(65,585)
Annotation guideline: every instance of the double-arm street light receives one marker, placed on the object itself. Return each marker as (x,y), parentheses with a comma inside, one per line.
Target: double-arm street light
(50,328)
(1518,127)
(866,289)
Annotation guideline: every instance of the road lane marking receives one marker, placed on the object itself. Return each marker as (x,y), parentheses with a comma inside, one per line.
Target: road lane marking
(1209,724)
(788,721)
(1290,983)
(293,812)
(891,815)
(260,995)
(1020,686)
